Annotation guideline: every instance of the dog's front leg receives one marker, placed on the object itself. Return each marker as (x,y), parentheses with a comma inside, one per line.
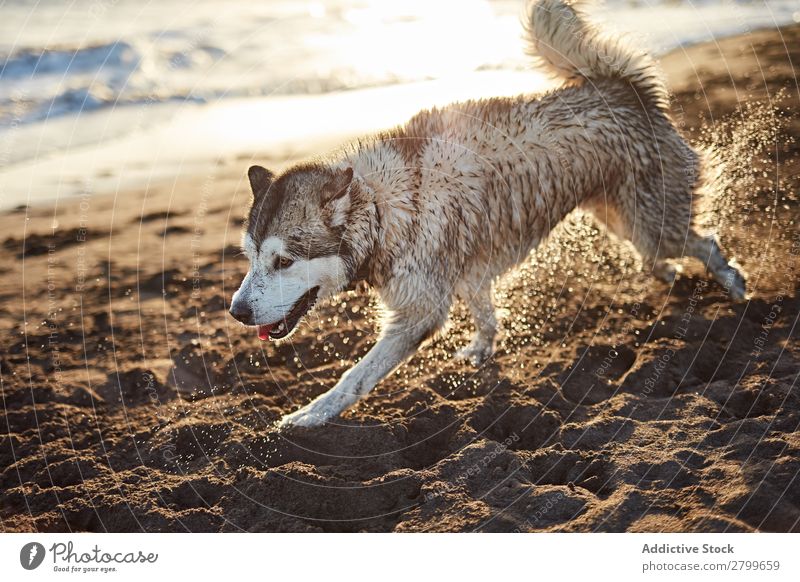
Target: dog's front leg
(398,341)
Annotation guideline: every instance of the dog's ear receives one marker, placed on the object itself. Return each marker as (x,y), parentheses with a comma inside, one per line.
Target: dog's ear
(337,186)
(335,199)
(260,180)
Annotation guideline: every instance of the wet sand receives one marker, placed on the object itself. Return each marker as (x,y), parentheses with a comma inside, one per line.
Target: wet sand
(616,403)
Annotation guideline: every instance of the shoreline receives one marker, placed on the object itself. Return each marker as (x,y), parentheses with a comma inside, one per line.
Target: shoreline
(193,136)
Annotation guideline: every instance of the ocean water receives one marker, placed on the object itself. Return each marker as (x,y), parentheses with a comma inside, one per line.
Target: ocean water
(87,75)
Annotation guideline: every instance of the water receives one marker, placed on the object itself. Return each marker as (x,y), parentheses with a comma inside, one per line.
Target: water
(94,53)
(101,72)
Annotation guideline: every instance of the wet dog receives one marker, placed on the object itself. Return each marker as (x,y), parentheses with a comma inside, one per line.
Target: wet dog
(440,207)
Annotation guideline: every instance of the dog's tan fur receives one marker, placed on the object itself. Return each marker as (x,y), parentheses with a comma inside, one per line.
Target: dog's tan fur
(442,206)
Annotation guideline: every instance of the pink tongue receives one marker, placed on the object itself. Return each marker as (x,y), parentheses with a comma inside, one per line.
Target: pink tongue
(263,332)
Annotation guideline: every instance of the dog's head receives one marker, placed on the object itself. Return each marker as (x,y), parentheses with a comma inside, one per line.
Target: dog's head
(295,240)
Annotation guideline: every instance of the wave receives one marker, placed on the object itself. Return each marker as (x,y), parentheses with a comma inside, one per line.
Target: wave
(39,84)
(30,62)
(289,48)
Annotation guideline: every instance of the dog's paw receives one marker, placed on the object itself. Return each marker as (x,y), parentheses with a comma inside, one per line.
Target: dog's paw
(735,283)
(476,353)
(319,411)
(302,418)
(666,271)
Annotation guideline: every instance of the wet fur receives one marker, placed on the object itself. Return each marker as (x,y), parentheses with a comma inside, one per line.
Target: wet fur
(439,208)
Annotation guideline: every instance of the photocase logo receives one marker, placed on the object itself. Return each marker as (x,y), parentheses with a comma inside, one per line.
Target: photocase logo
(31,555)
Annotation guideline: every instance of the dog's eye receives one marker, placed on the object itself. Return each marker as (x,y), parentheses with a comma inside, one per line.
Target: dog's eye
(283,263)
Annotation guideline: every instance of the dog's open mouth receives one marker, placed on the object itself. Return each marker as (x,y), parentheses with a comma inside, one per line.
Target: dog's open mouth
(280,329)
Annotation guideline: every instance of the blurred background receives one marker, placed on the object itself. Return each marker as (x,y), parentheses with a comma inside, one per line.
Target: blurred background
(113,94)
(132,401)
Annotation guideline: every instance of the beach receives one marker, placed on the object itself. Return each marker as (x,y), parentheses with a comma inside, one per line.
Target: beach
(133,402)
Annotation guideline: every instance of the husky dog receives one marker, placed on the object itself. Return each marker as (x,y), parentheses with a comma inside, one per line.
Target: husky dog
(440,207)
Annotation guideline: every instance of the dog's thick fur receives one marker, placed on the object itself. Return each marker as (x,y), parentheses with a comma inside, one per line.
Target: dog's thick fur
(442,206)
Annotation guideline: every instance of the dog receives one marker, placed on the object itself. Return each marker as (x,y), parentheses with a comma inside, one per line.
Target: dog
(439,208)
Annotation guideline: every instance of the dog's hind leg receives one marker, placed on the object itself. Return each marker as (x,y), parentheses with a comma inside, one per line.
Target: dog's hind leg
(618,223)
(478,297)
(727,274)
(402,334)
(658,212)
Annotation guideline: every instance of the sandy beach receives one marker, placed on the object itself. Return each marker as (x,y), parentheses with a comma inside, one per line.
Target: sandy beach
(133,402)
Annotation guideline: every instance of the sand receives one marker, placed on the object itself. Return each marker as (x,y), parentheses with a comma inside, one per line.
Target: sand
(132,402)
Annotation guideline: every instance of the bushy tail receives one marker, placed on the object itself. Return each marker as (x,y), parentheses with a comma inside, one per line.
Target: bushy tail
(563,39)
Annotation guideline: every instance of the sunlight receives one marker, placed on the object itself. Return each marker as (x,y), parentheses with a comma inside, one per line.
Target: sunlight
(427,39)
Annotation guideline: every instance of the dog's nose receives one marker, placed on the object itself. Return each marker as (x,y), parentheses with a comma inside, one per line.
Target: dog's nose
(242,312)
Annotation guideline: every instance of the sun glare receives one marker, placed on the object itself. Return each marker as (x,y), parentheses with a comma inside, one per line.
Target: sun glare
(426,39)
